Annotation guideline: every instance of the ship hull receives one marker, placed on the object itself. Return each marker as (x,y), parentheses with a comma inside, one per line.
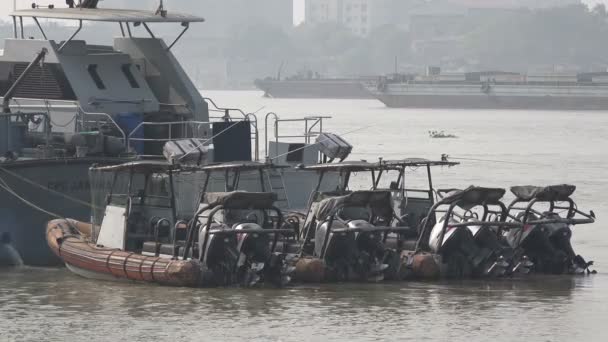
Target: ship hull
(494,96)
(314,89)
(22,227)
(493,102)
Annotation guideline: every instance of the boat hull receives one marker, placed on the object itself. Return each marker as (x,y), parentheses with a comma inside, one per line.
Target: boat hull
(494,102)
(21,226)
(314,89)
(69,241)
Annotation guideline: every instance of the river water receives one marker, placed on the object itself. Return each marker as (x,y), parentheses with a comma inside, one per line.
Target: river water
(520,147)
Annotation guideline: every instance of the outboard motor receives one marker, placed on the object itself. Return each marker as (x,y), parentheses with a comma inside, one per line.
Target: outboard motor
(220,254)
(459,250)
(238,248)
(257,261)
(545,236)
(468,246)
(508,260)
(337,247)
(370,251)
(548,246)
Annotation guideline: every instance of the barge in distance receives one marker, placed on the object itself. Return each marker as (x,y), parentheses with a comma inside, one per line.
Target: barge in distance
(494,90)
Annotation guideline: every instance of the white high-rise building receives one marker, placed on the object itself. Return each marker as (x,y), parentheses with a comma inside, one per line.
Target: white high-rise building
(360,16)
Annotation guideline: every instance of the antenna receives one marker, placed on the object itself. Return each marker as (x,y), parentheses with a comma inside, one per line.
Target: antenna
(161,9)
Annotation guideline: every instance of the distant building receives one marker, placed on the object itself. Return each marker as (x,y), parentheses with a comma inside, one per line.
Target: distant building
(221,16)
(513,4)
(360,16)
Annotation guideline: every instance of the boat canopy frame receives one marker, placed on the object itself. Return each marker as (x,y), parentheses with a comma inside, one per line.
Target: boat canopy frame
(377,170)
(494,212)
(121,16)
(235,169)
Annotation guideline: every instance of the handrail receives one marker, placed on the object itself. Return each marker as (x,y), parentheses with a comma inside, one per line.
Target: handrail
(317,120)
(46,105)
(256,133)
(109,117)
(224,109)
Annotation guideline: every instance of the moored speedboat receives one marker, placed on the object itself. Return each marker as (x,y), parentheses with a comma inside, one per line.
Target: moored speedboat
(147,234)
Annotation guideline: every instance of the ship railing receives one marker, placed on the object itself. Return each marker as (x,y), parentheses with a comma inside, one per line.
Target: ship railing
(185,130)
(82,120)
(312,128)
(85,121)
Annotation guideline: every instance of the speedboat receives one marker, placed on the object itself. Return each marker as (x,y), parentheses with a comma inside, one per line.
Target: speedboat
(149,233)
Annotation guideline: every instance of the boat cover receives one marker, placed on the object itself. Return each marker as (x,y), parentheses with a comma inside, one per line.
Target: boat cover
(379,201)
(543,193)
(190,151)
(473,196)
(107,14)
(240,199)
(333,146)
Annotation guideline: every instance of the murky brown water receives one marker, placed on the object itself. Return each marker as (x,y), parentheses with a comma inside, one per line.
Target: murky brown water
(546,147)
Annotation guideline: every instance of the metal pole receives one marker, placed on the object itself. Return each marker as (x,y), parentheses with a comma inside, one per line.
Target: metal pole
(15,27)
(40,27)
(21,26)
(149,31)
(11,91)
(428,172)
(71,37)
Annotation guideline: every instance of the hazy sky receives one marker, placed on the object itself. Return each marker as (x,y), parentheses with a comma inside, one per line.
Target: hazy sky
(7,6)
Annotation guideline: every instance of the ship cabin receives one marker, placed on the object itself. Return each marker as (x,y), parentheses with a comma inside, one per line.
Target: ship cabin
(135,89)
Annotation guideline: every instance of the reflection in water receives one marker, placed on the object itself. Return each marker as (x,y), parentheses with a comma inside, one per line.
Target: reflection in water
(38,303)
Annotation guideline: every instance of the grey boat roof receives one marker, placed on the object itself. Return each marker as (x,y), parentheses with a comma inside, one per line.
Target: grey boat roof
(107,14)
(242,166)
(141,166)
(473,196)
(352,166)
(355,166)
(379,200)
(241,199)
(550,193)
(418,162)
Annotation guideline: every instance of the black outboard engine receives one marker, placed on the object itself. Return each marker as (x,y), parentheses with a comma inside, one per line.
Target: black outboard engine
(337,247)
(220,254)
(468,246)
(346,239)
(545,236)
(240,250)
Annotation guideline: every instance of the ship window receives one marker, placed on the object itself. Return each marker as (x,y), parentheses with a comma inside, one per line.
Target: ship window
(92,68)
(126,69)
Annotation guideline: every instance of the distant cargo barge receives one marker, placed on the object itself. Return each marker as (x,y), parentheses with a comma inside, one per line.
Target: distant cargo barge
(345,88)
(493,90)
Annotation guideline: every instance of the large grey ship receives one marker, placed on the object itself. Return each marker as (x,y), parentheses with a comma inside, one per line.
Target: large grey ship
(495,90)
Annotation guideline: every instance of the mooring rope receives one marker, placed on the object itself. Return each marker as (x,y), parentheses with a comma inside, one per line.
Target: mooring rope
(7,188)
(58,193)
(496,161)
